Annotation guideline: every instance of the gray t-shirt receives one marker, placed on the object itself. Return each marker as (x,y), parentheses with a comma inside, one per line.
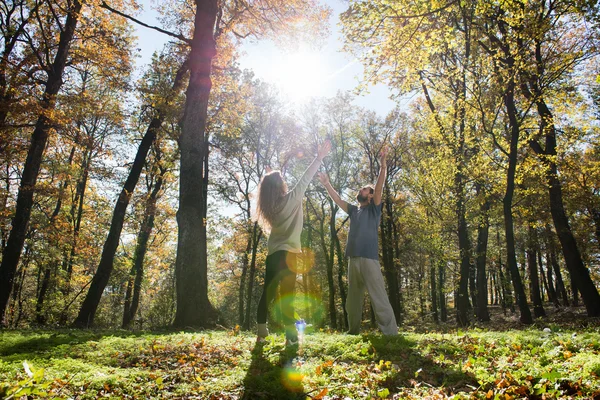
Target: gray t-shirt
(287,224)
(363,236)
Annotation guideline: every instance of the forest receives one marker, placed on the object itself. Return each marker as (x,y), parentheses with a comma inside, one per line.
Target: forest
(128,192)
(132,262)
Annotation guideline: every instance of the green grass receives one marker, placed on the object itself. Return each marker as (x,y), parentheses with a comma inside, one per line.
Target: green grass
(230,365)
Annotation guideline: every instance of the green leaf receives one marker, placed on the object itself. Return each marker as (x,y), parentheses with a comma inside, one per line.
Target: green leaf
(383,393)
(539,389)
(551,375)
(38,375)
(159,382)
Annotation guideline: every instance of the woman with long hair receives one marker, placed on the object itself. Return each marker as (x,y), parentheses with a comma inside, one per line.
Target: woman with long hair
(279,213)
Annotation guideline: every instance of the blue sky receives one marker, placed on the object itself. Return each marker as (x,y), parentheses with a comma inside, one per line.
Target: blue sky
(300,74)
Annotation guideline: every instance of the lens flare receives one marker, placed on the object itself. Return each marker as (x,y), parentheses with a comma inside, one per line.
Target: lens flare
(291,378)
(304,262)
(305,305)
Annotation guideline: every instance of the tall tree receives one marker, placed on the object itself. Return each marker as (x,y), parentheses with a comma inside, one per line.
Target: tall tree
(551,54)
(54,73)
(155,178)
(85,318)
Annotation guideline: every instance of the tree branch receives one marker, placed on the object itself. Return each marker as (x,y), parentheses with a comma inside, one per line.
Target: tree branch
(175,35)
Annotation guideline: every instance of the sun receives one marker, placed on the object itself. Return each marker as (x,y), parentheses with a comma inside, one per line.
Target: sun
(299,75)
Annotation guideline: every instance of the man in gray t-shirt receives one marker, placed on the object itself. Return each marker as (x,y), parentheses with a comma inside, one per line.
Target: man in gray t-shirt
(364,271)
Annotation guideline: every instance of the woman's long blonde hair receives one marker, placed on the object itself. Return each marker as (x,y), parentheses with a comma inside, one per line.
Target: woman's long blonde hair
(271,190)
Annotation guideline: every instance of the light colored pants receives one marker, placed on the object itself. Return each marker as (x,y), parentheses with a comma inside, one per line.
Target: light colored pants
(365,273)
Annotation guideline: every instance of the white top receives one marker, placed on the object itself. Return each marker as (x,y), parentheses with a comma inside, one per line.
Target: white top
(287,224)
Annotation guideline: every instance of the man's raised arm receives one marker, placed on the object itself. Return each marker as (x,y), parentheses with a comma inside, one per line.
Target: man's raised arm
(324,179)
(382,175)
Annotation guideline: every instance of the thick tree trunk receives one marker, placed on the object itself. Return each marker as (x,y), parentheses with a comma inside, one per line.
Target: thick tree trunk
(87,312)
(536,298)
(511,260)
(137,270)
(39,138)
(191,271)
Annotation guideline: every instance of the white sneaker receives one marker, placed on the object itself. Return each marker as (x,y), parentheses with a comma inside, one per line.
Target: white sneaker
(262,330)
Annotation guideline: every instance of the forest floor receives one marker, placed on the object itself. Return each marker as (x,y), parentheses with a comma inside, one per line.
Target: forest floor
(557,357)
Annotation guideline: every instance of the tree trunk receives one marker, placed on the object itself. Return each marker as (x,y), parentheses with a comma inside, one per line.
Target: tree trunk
(40,318)
(191,271)
(595,213)
(141,248)
(76,216)
(90,304)
(398,268)
(341,267)
(257,234)
(536,298)
(560,284)
(441,294)
(481,310)
(574,291)
(245,264)
(329,253)
(434,307)
(552,292)
(544,286)
(39,138)
(511,260)
(389,266)
(464,245)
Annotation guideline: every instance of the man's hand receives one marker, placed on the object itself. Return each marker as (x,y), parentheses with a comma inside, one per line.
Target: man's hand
(323,178)
(324,149)
(383,154)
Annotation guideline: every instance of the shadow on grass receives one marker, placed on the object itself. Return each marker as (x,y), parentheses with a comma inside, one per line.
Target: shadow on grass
(273,376)
(412,368)
(44,341)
